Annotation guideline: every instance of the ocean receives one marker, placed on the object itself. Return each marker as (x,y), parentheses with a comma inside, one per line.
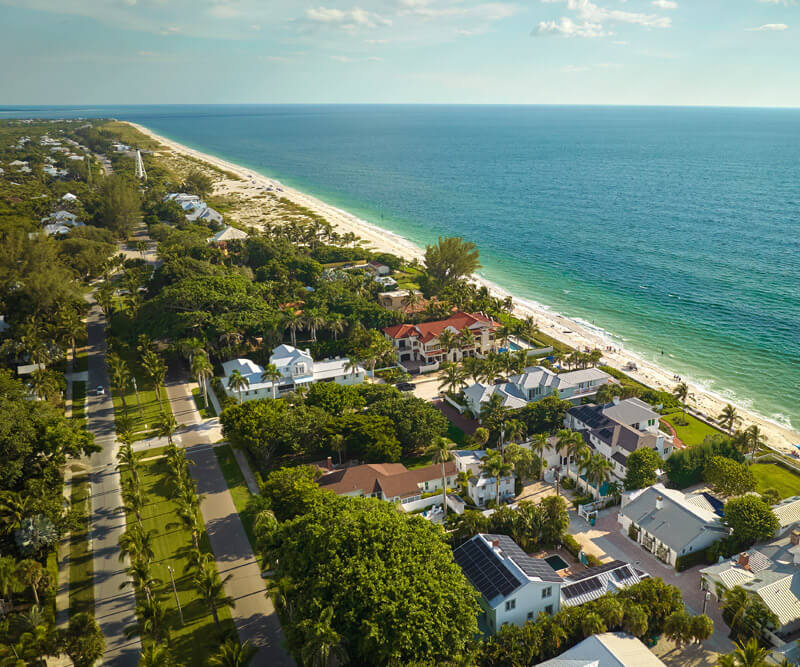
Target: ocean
(677,230)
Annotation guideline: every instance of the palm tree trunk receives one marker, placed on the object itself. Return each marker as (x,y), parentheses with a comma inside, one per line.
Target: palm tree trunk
(214,613)
(205,391)
(35,594)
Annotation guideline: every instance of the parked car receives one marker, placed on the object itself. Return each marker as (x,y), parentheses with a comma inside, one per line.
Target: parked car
(100,390)
(406,386)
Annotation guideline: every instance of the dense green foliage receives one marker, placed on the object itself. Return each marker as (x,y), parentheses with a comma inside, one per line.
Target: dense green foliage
(641,468)
(728,477)
(750,518)
(685,467)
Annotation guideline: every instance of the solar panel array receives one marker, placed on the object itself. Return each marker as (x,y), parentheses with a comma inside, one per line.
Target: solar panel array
(622,574)
(594,571)
(581,588)
(533,567)
(484,570)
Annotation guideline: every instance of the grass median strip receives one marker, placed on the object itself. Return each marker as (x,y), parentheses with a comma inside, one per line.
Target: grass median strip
(171,543)
(81,565)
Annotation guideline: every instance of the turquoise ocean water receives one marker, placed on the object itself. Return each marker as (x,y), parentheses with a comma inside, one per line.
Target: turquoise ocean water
(676,229)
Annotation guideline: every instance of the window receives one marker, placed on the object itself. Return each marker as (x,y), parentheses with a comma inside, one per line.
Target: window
(511,604)
(548,609)
(530,615)
(547,592)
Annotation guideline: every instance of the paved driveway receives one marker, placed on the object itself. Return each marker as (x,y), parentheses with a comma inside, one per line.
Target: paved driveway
(610,543)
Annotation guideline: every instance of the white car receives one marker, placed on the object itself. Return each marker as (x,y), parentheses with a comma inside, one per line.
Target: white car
(100,390)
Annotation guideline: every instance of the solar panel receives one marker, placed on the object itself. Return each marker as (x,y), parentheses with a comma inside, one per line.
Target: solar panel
(484,570)
(533,567)
(622,573)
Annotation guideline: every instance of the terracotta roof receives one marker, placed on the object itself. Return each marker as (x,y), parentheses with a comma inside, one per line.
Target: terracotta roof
(393,479)
(427,331)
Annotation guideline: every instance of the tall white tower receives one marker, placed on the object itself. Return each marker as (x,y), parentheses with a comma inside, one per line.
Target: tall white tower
(140,172)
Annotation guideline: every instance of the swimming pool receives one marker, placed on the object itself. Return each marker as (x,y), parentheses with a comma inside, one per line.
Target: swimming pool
(556,562)
(512,347)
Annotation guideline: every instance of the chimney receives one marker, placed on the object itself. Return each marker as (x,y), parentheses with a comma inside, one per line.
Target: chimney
(495,544)
(744,560)
(659,502)
(795,537)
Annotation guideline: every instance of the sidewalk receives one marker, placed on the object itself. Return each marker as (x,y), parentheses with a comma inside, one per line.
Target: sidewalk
(253,615)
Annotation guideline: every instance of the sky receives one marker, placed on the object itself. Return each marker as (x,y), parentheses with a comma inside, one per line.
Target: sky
(651,52)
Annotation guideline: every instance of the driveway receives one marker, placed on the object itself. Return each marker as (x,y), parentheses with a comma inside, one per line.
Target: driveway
(607,542)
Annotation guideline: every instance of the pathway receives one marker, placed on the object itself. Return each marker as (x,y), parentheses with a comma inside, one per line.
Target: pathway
(254,614)
(114,608)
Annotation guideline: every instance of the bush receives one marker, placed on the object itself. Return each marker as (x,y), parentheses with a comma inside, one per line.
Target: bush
(686,561)
(571,544)
(633,533)
(593,560)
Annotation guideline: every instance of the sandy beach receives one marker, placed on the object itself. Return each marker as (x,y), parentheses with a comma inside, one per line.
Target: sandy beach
(260,194)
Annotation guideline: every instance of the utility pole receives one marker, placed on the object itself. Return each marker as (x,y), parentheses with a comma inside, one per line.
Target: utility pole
(174,590)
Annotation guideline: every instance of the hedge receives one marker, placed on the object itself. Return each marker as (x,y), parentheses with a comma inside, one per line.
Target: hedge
(571,544)
(690,560)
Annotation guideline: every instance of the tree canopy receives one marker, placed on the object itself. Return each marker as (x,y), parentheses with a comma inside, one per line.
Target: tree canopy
(641,468)
(750,518)
(449,260)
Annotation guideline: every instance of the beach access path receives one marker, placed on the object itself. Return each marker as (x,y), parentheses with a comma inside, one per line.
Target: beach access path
(114,605)
(254,615)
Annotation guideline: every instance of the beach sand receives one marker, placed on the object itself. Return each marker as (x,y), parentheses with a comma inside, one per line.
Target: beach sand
(259,204)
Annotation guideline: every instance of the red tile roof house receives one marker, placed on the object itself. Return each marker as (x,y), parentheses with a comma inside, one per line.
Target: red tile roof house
(389,481)
(420,343)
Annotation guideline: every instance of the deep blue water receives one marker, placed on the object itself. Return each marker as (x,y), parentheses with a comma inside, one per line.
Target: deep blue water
(677,229)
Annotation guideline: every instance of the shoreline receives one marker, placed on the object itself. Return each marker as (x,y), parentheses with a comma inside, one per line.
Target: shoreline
(572,332)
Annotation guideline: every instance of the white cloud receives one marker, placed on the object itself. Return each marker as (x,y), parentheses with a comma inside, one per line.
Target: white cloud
(665,4)
(568,28)
(489,11)
(770,27)
(589,12)
(348,19)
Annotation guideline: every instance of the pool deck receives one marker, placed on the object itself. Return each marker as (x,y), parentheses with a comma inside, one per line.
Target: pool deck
(573,565)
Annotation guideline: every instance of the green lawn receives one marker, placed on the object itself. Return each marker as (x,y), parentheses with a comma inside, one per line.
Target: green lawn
(80,364)
(238,487)
(199,637)
(81,568)
(694,432)
(771,475)
(200,403)
(142,423)
(79,402)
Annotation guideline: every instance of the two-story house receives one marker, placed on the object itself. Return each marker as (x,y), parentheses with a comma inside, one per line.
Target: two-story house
(295,368)
(514,588)
(421,343)
(536,383)
(481,487)
(617,429)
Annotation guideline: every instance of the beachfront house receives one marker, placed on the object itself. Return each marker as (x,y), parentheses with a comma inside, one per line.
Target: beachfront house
(536,383)
(788,514)
(617,429)
(609,649)
(194,208)
(482,487)
(770,571)
(223,236)
(295,368)
(514,588)
(398,301)
(669,523)
(420,347)
(378,269)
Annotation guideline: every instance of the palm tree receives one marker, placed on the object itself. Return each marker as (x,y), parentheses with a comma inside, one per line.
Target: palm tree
(187,512)
(14,509)
(598,471)
(156,655)
(141,578)
(9,579)
(203,371)
(238,382)
(515,430)
(104,295)
(151,623)
(132,499)
(754,438)
(31,573)
(493,411)
(751,654)
(452,376)
(729,418)
(539,445)
(578,452)
(336,326)
(412,300)
(322,645)
(734,605)
(272,374)
(166,425)
(212,589)
(441,453)
(681,392)
(120,376)
(293,322)
(313,319)
(592,624)
(337,445)
(155,367)
(127,457)
(449,341)
(71,327)
(135,543)
(494,466)
(233,654)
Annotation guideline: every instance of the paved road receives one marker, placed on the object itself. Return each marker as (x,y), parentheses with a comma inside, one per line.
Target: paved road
(253,615)
(114,608)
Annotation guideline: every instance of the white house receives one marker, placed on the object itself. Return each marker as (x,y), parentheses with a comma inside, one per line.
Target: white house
(617,429)
(669,523)
(481,487)
(514,588)
(535,383)
(69,197)
(610,649)
(228,234)
(595,582)
(296,368)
